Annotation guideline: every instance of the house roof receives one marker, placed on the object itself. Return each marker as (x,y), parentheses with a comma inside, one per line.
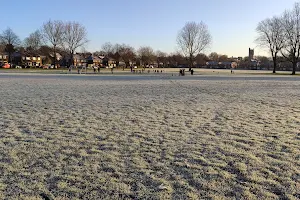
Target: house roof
(96,58)
(57,55)
(225,63)
(212,63)
(29,54)
(78,57)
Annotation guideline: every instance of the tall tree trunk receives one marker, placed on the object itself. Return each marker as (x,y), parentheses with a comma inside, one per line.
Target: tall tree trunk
(274,64)
(294,67)
(54,50)
(191,62)
(9,58)
(72,58)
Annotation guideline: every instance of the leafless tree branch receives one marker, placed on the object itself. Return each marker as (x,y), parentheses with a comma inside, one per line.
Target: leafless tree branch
(192,39)
(271,35)
(53,33)
(74,36)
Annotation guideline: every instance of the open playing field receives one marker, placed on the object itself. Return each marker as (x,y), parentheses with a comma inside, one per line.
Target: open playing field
(149,137)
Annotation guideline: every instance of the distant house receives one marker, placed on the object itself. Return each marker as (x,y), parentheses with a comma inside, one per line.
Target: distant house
(79,59)
(122,63)
(3,58)
(224,65)
(221,65)
(27,59)
(59,58)
(254,64)
(93,61)
(32,60)
(212,64)
(109,62)
(286,66)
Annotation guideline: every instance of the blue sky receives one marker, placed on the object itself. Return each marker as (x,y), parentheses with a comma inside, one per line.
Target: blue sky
(152,23)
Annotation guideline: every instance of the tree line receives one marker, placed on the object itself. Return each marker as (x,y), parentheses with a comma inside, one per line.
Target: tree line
(67,37)
(280,35)
(53,35)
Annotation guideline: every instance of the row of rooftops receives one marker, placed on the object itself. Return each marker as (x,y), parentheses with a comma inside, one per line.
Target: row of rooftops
(76,56)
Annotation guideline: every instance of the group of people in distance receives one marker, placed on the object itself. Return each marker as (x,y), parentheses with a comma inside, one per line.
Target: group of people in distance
(182,72)
(95,68)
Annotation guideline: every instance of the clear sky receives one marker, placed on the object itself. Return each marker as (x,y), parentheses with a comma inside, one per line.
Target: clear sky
(153,23)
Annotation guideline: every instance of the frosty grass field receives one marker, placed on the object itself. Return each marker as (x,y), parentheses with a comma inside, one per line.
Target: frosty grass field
(149,137)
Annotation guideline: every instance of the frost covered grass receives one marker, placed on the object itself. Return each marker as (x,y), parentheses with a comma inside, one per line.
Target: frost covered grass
(126,71)
(84,137)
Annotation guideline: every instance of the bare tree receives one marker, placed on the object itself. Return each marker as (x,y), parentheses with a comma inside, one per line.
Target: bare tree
(271,35)
(223,58)
(176,59)
(98,53)
(75,36)
(201,59)
(53,33)
(127,54)
(116,53)
(291,28)
(161,57)
(34,40)
(107,48)
(146,55)
(192,39)
(9,40)
(213,56)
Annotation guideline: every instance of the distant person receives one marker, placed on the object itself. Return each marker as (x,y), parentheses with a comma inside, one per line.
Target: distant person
(192,72)
(112,70)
